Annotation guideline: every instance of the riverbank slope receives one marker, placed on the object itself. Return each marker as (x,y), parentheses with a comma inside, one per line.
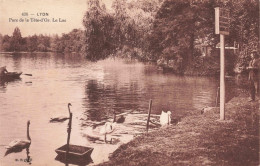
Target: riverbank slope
(199,140)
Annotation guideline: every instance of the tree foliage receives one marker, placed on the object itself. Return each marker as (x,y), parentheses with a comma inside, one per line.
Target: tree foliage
(71,42)
(177,27)
(16,40)
(180,26)
(244,28)
(99,34)
(127,26)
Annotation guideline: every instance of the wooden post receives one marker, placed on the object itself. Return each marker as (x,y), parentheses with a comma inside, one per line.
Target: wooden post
(222,77)
(149,114)
(217,97)
(222,23)
(68,138)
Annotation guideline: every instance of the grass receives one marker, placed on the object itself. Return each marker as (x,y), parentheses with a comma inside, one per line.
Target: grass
(199,140)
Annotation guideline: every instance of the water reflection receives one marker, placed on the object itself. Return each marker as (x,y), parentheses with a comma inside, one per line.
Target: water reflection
(18,145)
(74,161)
(3,86)
(17,62)
(104,99)
(28,158)
(4,83)
(120,89)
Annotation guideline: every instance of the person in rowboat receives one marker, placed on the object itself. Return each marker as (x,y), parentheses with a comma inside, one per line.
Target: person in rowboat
(3,71)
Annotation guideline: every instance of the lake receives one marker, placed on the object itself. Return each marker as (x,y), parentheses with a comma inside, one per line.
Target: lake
(95,90)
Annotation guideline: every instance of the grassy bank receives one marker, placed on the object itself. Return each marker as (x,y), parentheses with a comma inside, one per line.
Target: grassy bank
(199,140)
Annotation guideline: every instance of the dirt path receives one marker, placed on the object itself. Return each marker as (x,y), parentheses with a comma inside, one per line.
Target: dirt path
(199,140)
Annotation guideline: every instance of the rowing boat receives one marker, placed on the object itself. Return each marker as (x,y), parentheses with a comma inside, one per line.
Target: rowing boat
(10,76)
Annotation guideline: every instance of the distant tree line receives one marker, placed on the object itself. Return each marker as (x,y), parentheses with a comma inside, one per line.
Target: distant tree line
(70,42)
(168,30)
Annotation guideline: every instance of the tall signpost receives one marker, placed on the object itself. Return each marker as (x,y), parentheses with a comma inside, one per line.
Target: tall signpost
(222,27)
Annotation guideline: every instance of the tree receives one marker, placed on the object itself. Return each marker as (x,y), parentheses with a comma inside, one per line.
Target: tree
(76,38)
(1,42)
(6,44)
(127,27)
(16,40)
(134,20)
(54,42)
(99,41)
(178,24)
(43,43)
(32,43)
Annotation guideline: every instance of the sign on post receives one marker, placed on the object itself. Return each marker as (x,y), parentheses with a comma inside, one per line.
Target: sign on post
(222,21)
(222,27)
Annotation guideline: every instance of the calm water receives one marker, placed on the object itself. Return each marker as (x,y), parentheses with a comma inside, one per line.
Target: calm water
(94,90)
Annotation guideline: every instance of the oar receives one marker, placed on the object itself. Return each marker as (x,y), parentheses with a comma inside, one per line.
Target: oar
(28,74)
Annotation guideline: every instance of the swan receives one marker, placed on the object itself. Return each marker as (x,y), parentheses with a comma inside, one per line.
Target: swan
(108,128)
(165,118)
(61,118)
(104,129)
(18,145)
(121,119)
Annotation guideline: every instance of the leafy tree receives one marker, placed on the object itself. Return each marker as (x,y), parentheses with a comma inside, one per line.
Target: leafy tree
(244,28)
(32,43)
(177,26)
(71,42)
(1,42)
(127,27)
(54,42)
(6,46)
(133,25)
(43,43)
(76,37)
(99,41)
(180,26)
(16,40)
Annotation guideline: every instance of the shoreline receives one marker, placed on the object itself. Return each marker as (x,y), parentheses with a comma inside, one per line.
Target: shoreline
(204,71)
(199,139)
(24,52)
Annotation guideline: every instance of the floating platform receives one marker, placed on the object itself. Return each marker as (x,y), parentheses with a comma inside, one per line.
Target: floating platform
(75,151)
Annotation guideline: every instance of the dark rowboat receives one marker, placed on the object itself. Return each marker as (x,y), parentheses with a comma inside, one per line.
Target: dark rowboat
(75,151)
(10,76)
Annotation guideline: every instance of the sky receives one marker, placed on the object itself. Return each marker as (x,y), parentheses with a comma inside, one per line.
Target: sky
(11,16)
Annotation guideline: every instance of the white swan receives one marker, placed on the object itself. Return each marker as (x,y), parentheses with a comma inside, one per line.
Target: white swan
(108,128)
(165,118)
(18,145)
(104,129)
(61,118)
